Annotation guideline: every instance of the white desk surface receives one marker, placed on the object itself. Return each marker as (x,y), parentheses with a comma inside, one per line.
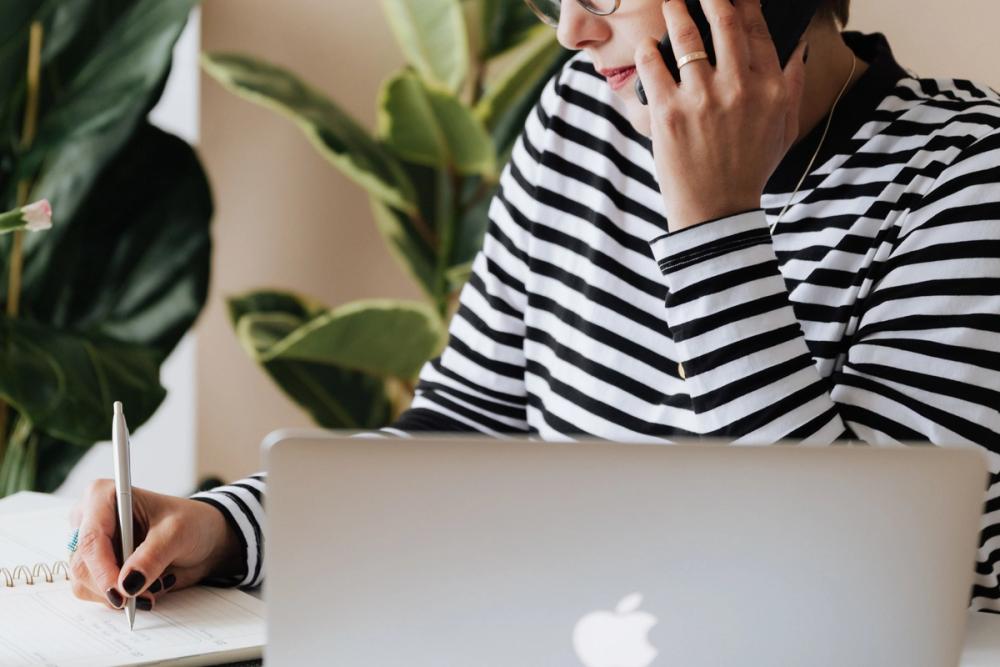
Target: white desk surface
(982,646)
(982,641)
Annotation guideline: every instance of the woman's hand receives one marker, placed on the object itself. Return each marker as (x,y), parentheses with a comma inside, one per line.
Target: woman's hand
(720,134)
(179,543)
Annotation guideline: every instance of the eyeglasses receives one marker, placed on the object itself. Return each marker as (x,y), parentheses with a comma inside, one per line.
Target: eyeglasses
(548,10)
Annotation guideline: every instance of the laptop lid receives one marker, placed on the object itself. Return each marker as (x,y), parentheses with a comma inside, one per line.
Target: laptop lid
(462,551)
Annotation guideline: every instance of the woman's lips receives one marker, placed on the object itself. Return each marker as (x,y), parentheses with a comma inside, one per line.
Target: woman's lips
(619,77)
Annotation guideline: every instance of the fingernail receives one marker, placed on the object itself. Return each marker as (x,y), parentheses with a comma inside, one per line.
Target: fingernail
(155,587)
(134,582)
(169,580)
(143,603)
(114,597)
(805,55)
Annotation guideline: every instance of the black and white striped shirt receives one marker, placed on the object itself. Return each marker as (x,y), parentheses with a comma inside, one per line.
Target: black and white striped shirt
(872,313)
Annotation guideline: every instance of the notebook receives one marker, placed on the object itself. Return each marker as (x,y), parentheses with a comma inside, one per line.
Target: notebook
(43,623)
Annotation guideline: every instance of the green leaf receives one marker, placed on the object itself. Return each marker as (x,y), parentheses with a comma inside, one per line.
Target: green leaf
(134,263)
(333,397)
(58,459)
(505,24)
(381,338)
(65,383)
(433,128)
(508,101)
(98,107)
(341,140)
(406,245)
(532,65)
(432,36)
(301,347)
(458,275)
(298,307)
(471,226)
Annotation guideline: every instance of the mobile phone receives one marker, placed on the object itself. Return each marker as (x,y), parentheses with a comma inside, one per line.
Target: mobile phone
(786,19)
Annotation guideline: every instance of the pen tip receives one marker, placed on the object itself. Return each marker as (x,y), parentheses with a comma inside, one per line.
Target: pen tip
(130,614)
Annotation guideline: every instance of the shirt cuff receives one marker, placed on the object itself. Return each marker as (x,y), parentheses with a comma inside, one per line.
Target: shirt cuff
(676,250)
(244,514)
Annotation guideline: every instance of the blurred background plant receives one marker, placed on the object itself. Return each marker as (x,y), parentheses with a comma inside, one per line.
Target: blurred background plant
(91,308)
(446,125)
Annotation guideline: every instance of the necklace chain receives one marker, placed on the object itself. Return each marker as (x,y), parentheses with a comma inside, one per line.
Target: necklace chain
(829,120)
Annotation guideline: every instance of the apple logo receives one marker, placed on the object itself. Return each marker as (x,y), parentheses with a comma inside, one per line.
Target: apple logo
(616,639)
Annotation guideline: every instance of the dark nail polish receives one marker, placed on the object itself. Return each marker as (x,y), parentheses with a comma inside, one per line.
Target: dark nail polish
(169,581)
(144,604)
(134,582)
(155,587)
(114,597)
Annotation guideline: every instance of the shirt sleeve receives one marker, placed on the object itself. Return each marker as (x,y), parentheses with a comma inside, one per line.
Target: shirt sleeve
(923,362)
(242,505)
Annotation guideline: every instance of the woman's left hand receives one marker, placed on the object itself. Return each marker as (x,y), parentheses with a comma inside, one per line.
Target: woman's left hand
(719,135)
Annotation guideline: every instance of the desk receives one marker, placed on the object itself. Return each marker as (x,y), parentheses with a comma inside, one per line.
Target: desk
(982,643)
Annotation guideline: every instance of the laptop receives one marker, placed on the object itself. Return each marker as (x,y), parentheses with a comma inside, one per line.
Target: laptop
(459,551)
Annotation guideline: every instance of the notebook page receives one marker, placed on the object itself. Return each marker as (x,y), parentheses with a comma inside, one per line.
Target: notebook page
(39,536)
(46,625)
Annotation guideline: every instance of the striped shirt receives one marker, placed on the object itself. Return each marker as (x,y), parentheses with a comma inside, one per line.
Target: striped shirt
(871,313)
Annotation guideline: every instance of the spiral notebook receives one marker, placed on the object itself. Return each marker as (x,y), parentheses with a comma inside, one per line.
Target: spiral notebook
(43,623)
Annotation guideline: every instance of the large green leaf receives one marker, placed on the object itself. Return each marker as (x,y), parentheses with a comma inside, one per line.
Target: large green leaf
(433,128)
(106,94)
(134,263)
(378,337)
(340,139)
(334,397)
(432,36)
(65,383)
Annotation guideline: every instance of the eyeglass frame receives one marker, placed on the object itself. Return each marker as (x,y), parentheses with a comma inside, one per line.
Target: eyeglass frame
(583,3)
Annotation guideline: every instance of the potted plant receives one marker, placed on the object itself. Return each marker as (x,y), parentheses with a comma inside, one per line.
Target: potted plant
(447,122)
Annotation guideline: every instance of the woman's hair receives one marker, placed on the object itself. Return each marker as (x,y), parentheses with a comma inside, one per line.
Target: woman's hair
(838,9)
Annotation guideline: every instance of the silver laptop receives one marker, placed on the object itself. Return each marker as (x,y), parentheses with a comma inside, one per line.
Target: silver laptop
(473,552)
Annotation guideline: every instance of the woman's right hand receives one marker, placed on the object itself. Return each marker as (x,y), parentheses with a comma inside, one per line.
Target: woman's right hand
(178,541)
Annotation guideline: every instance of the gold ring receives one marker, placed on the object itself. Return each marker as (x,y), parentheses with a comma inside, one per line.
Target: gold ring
(691,57)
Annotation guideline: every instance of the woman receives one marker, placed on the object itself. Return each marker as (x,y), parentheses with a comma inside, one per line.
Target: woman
(760,254)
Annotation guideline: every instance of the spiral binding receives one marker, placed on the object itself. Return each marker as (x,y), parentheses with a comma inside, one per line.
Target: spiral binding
(37,571)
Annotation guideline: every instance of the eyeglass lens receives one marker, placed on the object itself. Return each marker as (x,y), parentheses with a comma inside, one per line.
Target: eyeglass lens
(548,10)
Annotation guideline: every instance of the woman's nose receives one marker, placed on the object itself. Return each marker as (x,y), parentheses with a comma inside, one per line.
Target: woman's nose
(578,28)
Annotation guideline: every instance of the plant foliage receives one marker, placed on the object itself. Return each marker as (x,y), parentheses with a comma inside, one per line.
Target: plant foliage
(108,292)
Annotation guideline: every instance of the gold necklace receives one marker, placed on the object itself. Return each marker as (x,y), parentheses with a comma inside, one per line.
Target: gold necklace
(829,120)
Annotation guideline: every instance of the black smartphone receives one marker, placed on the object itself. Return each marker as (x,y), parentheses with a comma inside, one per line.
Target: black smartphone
(786,19)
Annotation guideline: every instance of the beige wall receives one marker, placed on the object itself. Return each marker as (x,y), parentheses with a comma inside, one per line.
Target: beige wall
(287,219)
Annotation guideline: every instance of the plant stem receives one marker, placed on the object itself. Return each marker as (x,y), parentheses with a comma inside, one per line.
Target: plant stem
(27,138)
(23,190)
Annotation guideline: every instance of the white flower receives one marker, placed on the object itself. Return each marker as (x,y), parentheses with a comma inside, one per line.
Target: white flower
(33,217)
(37,216)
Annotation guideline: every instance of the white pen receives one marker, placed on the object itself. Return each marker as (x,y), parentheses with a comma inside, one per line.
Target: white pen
(123,494)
